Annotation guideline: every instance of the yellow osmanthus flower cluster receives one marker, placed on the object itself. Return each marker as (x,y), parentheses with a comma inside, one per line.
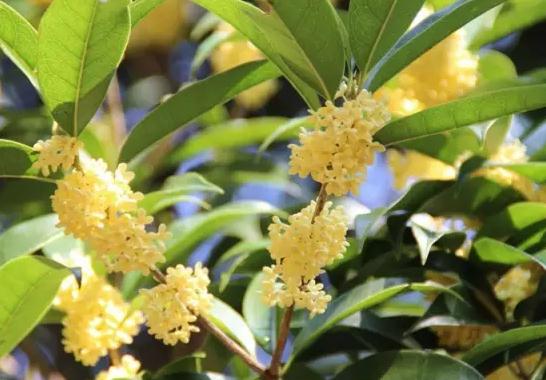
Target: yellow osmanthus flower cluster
(446,72)
(57,152)
(233,53)
(98,320)
(414,165)
(462,338)
(99,207)
(172,308)
(69,290)
(301,249)
(341,145)
(127,369)
(517,284)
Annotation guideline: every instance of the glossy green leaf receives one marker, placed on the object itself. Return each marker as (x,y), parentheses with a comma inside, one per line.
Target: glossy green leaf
(365,225)
(81,43)
(232,134)
(27,288)
(409,365)
(424,36)
(514,218)
(359,298)
(177,189)
(28,237)
(472,109)
(290,128)
(496,134)
(268,35)
(495,66)
(261,318)
(313,27)
(425,238)
(19,41)
(16,160)
(504,341)
(535,171)
(494,251)
(516,15)
(186,364)
(191,102)
(375,26)
(231,322)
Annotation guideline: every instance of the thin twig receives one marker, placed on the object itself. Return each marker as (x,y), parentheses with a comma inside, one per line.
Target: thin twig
(115,357)
(232,345)
(284,330)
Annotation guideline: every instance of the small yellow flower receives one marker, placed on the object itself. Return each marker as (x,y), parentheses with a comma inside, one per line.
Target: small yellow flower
(172,308)
(461,338)
(99,207)
(69,290)
(57,152)
(97,321)
(340,147)
(235,53)
(517,284)
(414,165)
(301,249)
(127,369)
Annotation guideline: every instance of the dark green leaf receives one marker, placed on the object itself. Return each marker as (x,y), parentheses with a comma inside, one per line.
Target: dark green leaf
(27,288)
(313,28)
(192,101)
(514,218)
(424,36)
(261,318)
(472,109)
(374,27)
(409,365)
(494,251)
(28,237)
(19,41)
(16,160)
(81,43)
(504,341)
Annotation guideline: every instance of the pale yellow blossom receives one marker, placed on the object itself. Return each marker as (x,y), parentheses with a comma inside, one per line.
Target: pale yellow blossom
(57,152)
(127,369)
(519,283)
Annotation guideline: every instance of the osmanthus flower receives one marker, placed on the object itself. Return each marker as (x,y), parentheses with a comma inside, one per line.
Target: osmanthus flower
(128,368)
(462,338)
(172,308)
(446,72)
(338,149)
(57,152)
(301,249)
(99,207)
(235,52)
(414,165)
(97,321)
(517,284)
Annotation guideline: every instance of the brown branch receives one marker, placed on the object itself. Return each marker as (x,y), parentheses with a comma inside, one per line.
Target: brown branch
(322,197)
(274,367)
(232,346)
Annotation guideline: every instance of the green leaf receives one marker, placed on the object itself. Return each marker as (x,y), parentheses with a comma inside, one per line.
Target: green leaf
(501,342)
(191,102)
(359,298)
(426,238)
(424,36)
(287,129)
(313,26)
(374,27)
(269,36)
(186,364)
(81,43)
(496,134)
(232,134)
(19,41)
(231,322)
(535,171)
(177,189)
(495,66)
(514,16)
(16,160)
(365,224)
(261,318)
(472,109)
(141,8)
(27,288)
(28,237)
(406,365)
(514,218)
(494,251)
